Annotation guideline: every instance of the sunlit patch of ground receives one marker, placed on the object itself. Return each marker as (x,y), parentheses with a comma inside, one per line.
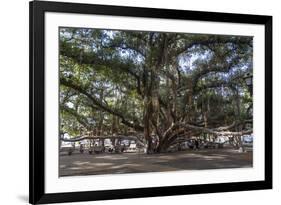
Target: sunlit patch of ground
(85,164)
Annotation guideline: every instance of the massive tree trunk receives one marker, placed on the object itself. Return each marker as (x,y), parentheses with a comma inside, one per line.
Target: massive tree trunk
(146,121)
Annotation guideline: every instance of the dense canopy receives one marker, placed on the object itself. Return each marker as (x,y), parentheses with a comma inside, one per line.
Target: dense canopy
(158,87)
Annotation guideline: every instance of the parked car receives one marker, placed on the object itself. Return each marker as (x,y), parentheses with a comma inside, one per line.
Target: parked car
(98,149)
(248,139)
(67,147)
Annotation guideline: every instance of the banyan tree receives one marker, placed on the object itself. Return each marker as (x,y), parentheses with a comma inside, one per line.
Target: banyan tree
(162,86)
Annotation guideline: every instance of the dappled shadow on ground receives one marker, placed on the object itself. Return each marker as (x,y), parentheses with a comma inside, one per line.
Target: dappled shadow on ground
(85,164)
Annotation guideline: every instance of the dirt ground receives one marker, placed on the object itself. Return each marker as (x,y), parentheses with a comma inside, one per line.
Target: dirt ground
(85,164)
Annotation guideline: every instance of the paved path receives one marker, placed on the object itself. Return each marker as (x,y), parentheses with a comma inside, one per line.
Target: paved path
(85,164)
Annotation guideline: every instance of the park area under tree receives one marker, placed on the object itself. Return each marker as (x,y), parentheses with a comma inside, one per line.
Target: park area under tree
(143,101)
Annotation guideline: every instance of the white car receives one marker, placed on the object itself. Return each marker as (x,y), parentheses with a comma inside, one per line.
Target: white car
(67,147)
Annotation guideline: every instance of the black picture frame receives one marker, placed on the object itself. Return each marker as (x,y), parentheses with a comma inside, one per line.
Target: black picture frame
(37,193)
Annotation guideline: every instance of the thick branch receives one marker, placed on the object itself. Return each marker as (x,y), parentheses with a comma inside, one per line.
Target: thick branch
(81,119)
(101,105)
(215,132)
(88,137)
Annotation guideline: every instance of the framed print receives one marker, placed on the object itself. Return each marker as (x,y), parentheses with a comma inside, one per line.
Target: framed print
(140,102)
